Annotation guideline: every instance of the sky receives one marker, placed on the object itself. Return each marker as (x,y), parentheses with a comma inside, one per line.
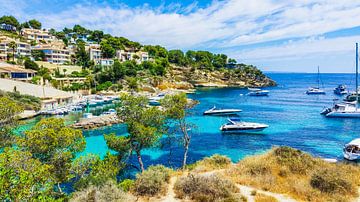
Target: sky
(275,35)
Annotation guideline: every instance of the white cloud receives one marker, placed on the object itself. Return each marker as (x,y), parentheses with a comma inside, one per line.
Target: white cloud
(222,24)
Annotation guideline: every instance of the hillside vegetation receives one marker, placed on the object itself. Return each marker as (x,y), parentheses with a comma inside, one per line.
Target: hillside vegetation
(282,173)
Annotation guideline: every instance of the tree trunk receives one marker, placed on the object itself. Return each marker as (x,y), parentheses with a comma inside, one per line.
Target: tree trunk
(58,185)
(186,139)
(138,154)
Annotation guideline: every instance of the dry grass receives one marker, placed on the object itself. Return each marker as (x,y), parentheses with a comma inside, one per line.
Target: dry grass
(289,171)
(152,181)
(205,188)
(107,192)
(214,162)
(264,198)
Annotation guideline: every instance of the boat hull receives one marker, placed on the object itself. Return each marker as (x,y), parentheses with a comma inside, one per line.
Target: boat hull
(351,156)
(241,130)
(315,92)
(343,114)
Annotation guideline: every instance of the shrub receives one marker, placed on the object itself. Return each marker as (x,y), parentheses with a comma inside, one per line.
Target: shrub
(127,184)
(107,192)
(331,180)
(296,160)
(152,181)
(204,187)
(217,161)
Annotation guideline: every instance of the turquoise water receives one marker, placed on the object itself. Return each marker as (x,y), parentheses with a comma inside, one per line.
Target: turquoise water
(293,117)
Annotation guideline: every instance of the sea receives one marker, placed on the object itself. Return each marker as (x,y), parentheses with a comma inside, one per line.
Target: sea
(293,117)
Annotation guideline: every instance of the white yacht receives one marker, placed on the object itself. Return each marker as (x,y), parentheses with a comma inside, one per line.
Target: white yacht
(351,150)
(347,109)
(215,111)
(257,92)
(156,100)
(237,126)
(341,90)
(316,90)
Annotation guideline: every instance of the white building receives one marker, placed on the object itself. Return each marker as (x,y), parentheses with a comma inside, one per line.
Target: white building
(138,56)
(22,48)
(37,35)
(55,55)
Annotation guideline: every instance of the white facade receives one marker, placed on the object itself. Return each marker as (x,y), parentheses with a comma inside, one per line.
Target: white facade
(36,35)
(55,55)
(22,48)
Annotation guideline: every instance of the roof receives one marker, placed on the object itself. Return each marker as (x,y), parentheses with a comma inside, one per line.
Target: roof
(5,67)
(39,91)
(355,142)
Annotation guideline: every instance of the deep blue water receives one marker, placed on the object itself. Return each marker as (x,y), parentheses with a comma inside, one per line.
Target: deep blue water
(293,117)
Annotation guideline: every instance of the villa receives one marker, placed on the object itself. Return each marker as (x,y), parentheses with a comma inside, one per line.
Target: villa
(54,55)
(104,62)
(15,72)
(138,56)
(94,52)
(22,48)
(7,27)
(36,35)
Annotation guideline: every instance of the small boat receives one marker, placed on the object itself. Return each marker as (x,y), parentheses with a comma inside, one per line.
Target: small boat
(316,90)
(351,97)
(87,115)
(351,150)
(237,126)
(109,112)
(257,92)
(340,90)
(215,111)
(156,100)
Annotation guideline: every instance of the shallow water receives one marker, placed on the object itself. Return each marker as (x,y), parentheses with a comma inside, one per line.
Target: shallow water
(293,117)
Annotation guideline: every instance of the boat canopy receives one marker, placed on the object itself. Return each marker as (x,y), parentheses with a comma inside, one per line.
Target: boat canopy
(355,142)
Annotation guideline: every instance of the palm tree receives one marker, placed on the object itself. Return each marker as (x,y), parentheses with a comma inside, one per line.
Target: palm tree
(12,45)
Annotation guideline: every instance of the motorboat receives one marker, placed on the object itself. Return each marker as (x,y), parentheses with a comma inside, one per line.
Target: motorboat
(156,99)
(341,90)
(237,126)
(88,115)
(351,97)
(215,111)
(110,112)
(351,150)
(316,90)
(346,109)
(257,92)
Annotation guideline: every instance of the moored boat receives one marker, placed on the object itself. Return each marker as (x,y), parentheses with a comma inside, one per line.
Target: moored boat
(351,150)
(341,90)
(257,92)
(316,90)
(215,111)
(237,126)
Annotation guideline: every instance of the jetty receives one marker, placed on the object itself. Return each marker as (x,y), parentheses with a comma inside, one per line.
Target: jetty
(96,122)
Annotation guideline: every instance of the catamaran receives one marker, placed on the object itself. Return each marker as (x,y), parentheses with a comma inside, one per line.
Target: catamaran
(215,111)
(316,90)
(351,150)
(347,109)
(235,125)
(257,92)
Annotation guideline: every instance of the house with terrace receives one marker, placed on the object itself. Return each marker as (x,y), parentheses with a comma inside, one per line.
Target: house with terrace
(22,48)
(37,35)
(54,54)
(15,72)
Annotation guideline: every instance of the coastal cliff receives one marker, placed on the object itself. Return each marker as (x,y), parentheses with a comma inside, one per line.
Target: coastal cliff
(187,78)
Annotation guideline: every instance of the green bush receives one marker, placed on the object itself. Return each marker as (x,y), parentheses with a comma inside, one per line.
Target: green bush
(297,161)
(204,188)
(152,181)
(331,180)
(127,184)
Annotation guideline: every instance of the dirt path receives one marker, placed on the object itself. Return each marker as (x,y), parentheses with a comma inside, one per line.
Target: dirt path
(246,191)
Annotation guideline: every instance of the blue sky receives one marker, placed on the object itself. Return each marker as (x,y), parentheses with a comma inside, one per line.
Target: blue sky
(275,35)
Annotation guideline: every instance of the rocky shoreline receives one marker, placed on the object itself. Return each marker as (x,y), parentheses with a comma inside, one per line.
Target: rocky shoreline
(96,122)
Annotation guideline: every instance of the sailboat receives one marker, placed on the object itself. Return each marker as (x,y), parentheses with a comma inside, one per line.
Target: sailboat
(316,90)
(347,109)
